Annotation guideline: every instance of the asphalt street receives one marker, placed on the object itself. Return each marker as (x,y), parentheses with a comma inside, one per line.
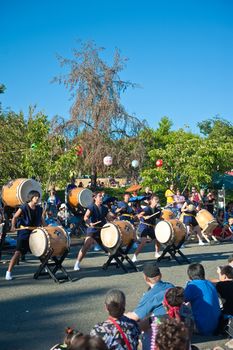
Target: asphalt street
(35,313)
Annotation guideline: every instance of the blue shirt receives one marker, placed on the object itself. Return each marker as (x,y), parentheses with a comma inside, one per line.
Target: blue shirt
(205,305)
(152,301)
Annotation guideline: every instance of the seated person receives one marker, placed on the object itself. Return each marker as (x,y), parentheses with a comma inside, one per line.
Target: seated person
(225,288)
(203,298)
(177,308)
(70,334)
(118,331)
(172,335)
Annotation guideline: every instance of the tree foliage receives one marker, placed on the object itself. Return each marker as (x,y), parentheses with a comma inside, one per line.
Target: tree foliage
(97,112)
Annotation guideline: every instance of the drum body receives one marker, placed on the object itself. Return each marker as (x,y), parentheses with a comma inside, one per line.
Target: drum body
(117,233)
(170,232)
(206,221)
(42,239)
(80,196)
(167,214)
(16,191)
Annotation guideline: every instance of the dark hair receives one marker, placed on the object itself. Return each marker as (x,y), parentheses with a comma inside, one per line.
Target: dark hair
(175,296)
(86,342)
(32,194)
(230,258)
(227,270)
(172,335)
(196,271)
(70,333)
(126,193)
(115,303)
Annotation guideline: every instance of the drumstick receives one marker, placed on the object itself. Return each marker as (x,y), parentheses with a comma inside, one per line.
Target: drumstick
(98,227)
(95,223)
(25,228)
(148,217)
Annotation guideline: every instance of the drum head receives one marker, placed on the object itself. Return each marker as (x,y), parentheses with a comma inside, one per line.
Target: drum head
(85,197)
(38,242)
(109,235)
(27,186)
(163,232)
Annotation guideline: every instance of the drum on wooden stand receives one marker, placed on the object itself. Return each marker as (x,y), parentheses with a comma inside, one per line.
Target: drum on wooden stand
(116,234)
(206,221)
(167,214)
(80,196)
(16,191)
(170,232)
(43,239)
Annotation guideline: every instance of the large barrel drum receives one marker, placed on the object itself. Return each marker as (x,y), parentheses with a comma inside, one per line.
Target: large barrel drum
(80,196)
(43,239)
(16,191)
(167,214)
(206,221)
(117,233)
(170,232)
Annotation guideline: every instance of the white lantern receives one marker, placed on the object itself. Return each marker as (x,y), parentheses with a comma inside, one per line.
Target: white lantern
(135,163)
(107,160)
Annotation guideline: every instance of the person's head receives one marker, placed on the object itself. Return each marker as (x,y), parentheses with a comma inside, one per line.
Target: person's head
(33,196)
(178,192)
(230,260)
(202,192)
(148,190)
(171,187)
(193,190)
(115,303)
(86,342)
(196,272)
(175,296)
(52,192)
(98,198)
(126,197)
(154,200)
(173,299)
(71,333)
(151,273)
(63,206)
(172,335)
(225,273)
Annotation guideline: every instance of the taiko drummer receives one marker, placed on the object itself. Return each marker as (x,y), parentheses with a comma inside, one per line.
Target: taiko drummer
(29,214)
(95,218)
(147,225)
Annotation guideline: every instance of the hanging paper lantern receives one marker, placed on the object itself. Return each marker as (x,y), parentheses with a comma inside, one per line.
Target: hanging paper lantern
(135,163)
(107,160)
(159,163)
(79,150)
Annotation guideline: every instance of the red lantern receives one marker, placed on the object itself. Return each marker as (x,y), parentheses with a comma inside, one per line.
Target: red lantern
(79,150)
(159,163)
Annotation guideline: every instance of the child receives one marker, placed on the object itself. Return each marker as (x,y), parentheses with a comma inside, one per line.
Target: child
(70,334)
(29,214)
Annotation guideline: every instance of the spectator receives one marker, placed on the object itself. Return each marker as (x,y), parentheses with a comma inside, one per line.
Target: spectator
(63,214)
(86,342)
(177,308)
(80,184)
(172,335)
(179,199)
(230,260)
(225,288)
(210,201)
(70,333)
(53,202)
(152,300)
(204,300)
(118,331)
(169,194)
(196,195)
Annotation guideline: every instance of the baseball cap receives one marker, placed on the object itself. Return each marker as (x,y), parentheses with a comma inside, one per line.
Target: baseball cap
(151,270)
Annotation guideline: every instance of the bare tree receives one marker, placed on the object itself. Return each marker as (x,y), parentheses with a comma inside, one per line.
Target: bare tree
(97,114)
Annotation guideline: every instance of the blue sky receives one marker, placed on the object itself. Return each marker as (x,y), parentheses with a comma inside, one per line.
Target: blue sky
(180,52)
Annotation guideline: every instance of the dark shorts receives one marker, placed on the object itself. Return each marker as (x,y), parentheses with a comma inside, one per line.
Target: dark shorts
(23,245)
(93,233)
(147,231)
(190,220)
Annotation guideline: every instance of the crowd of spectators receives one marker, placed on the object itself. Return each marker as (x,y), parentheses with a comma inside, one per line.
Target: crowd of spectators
(166,317)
